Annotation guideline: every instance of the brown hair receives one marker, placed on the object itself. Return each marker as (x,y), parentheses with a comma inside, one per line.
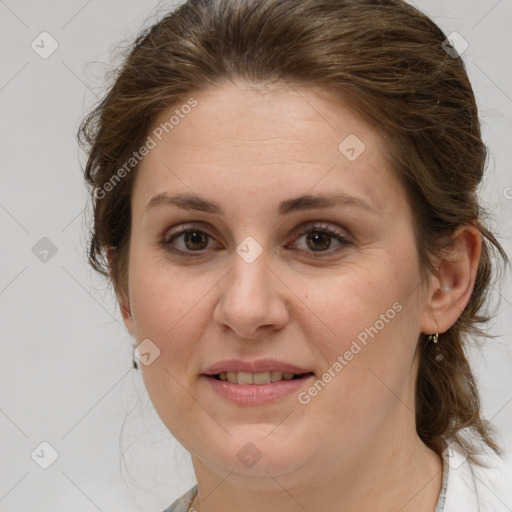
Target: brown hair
(387,60)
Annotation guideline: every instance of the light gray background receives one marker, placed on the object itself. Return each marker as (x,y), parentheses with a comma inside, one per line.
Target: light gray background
(65,366)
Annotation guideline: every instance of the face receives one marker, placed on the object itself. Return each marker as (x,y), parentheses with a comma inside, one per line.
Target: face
(268,285)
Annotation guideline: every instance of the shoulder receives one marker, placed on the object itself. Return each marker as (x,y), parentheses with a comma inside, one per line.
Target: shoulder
(182,504)
(472,488)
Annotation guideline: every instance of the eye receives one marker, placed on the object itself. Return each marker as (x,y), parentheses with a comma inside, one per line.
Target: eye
(194,240)
(319,239)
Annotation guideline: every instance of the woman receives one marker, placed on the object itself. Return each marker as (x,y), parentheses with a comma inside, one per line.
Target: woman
(285,201)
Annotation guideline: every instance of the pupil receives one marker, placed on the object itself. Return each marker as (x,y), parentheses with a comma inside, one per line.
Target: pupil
(195,237)
(319,236)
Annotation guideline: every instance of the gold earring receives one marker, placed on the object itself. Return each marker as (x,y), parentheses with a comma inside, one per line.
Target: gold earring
(135,365)
(433,337)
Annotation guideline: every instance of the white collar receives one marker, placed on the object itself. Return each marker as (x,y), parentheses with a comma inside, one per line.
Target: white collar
(473,489)
(461,493)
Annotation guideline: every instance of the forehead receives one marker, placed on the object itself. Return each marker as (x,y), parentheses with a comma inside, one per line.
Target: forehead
(285,140)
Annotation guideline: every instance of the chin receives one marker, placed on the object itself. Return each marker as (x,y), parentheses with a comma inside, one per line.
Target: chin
(252,451)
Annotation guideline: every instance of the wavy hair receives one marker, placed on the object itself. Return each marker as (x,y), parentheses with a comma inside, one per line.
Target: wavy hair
(384,57)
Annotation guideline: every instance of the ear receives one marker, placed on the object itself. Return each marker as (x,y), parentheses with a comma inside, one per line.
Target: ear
(451,289)
(124,303)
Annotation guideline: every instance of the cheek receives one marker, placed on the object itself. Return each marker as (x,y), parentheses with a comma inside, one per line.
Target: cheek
(162,296)
(169,309)
(367,335)
(349,303)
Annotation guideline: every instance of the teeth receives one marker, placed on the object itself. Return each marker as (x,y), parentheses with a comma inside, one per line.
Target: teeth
(255,378)
(244,378)
(275,376)
(231,377)
(261,378)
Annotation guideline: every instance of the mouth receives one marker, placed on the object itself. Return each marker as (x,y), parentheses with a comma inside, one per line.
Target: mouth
(256,383)
(258,379)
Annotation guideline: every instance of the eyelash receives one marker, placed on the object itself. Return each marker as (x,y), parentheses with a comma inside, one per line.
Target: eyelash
(313,228)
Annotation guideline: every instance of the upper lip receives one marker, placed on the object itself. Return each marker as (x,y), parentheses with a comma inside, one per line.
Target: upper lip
(257,366)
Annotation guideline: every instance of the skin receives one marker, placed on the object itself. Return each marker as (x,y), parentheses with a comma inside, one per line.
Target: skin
(354,446)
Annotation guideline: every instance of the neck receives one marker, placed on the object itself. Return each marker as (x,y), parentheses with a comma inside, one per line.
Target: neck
(405,476)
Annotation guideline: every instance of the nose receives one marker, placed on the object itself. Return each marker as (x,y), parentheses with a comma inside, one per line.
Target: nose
(253,299)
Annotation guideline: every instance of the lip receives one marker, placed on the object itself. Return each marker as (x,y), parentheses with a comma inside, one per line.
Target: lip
(257,366)
(256,394)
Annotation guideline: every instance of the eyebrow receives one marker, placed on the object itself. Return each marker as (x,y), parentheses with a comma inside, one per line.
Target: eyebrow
(300,203)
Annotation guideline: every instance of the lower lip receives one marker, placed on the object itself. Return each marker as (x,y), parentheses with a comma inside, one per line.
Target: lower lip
(252,394)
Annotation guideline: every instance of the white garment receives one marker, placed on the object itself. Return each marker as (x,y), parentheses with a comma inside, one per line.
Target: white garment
(471,488)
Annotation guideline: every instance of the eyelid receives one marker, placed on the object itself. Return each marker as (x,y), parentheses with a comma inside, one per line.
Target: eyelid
(320,225)
(198,225)
(202,225)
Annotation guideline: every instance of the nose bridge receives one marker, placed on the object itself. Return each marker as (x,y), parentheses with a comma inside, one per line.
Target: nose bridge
(250,296)
(249,282)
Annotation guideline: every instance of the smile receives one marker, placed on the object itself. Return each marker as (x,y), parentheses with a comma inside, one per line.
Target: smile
(252,389)
(257,379)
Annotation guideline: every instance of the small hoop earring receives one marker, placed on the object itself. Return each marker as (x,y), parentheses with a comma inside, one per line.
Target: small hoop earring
(433,337)
(135,365)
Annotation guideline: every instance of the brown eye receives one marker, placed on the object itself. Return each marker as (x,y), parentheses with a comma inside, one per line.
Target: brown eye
(195,240)
(321,240)
(318,240)
(187,241)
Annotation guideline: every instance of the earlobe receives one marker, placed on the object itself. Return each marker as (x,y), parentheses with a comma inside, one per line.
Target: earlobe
(451,288)
(124,303)
(127,315)
(125,310)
